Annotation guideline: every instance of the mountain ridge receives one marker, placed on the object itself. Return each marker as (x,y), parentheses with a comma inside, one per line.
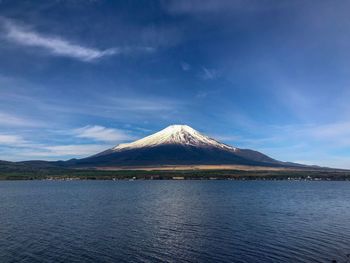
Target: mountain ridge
(174,134)
(176,145)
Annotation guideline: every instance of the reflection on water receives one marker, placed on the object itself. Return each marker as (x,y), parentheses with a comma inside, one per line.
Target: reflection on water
(183,221)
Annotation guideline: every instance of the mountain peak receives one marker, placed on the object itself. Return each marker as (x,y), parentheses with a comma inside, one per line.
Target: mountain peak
(174,134)
(176,145)
(179,128)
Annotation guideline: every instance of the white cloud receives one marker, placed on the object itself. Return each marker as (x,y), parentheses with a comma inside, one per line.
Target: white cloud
(62,47)
(100,133)
(11,140)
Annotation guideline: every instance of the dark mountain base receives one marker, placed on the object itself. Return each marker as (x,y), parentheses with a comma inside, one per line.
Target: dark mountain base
(176,155)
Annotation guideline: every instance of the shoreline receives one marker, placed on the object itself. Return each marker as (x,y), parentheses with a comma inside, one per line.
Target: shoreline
(245,173)
(82,178)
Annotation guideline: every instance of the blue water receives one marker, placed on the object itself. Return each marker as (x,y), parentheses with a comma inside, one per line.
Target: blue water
(174,221)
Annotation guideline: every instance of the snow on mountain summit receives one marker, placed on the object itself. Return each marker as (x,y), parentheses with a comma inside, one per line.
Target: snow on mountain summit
(174,134)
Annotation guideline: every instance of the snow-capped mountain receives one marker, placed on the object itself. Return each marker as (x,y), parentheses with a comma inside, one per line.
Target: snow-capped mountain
(174,134)
(175,145)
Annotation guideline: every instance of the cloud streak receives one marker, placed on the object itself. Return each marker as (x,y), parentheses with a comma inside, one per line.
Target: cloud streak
(14,146)
(70,150)
(100,133)
(61,47)
(10,120)
(11,140)
(38,109)
(50,152)
(209,74)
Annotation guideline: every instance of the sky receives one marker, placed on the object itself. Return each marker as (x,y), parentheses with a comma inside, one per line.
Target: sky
(78,76)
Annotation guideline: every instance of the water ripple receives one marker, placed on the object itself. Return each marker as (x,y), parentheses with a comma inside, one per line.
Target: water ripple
(165,221)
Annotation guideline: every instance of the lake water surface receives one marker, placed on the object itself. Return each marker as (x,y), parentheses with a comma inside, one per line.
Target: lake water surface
(174,221)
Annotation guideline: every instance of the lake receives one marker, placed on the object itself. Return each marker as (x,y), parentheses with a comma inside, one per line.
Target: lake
(174,221)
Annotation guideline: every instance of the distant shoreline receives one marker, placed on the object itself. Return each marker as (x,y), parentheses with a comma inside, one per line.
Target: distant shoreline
(175,173)
(193,168)
(186,179)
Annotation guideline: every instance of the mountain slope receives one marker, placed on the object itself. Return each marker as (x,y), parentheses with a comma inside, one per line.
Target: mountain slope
(175,145)
(174,134)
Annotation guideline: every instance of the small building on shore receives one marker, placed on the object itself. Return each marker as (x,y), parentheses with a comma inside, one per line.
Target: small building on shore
(178,178)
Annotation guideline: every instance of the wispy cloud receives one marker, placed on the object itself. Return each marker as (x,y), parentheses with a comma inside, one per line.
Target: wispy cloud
(332,130)
(106,104)
(70,150)
(226,138)
(330,135)
(62,47)
(100,133)
(11,140)
(53,153)
(185,66)
(209,74)
(144,103)
(16,147)
(10,120)
(116,108)
(65,144)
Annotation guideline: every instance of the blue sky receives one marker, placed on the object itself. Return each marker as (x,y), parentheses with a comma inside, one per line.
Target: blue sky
(78,76)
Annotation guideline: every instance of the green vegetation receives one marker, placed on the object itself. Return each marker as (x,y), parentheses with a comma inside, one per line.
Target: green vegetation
(22,171)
